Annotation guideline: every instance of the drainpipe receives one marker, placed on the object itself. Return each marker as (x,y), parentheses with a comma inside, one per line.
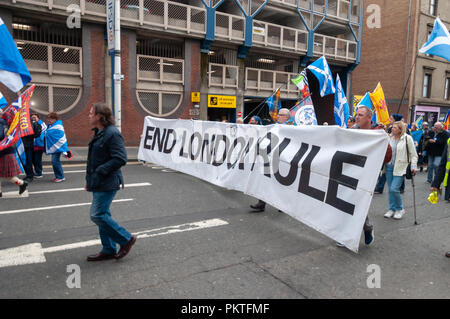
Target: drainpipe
(118,77)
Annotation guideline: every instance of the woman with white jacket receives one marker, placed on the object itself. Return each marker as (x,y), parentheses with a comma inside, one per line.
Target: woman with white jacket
(396,168)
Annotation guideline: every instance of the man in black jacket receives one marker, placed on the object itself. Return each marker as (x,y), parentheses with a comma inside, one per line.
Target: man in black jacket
(106,155)
(28,144)
(435,148)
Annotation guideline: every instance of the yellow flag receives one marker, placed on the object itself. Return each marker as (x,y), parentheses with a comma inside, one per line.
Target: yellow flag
(379,103)
(356,100)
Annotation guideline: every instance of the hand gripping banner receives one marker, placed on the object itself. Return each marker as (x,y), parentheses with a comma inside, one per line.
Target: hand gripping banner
(323,176)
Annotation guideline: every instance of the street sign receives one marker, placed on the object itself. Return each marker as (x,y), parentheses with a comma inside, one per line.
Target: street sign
(222,101)
(110,23)
(195,97)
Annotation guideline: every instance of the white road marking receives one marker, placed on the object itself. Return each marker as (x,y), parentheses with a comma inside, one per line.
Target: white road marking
(65,172)
(25,210)
(34,253)
(22,255)
(82,189)
(15,194)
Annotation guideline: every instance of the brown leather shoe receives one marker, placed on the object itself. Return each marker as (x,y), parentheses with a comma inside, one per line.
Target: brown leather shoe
(123,251)
(100,256)
(447,254)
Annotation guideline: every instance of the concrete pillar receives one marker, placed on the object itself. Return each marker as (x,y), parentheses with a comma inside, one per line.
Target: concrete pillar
(204,90)
(241,88)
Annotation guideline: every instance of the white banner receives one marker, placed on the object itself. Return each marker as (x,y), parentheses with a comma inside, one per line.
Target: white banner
(323,176)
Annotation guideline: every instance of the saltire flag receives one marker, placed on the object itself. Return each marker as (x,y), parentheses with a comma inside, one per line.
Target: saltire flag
(56,141)
(10,112)
(303,112)
(416,135)
(447,121)
(366,101)
(20,155)
(274,104)
(13,71)
(419,122)
(379,105)
(301,81)
(20,125)
(322,72)
(439,41)
(341,108)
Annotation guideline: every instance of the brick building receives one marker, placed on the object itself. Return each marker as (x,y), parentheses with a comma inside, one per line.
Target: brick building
(390,55)
(237,51)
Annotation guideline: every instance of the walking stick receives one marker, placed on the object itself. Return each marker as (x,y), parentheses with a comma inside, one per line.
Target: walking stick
(414,199)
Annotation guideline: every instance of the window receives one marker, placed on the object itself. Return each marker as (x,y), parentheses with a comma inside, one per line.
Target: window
(433,7)
(447,88)
(427,85)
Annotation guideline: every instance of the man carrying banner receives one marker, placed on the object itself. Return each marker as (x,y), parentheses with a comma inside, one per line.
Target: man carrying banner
(364,122)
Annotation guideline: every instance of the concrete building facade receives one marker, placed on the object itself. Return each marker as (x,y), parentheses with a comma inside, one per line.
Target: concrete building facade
(415,84)
(190,59)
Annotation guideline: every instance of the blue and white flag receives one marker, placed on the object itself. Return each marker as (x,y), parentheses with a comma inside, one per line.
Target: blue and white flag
(366,101)
(3,102)
(20,155)
(56,141)
(341,108)
(322,72)
(13,71)
(439,41)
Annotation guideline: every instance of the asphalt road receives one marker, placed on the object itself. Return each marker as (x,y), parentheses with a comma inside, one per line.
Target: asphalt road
(228,253)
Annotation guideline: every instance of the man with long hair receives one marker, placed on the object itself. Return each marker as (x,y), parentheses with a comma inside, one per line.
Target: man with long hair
(106,155)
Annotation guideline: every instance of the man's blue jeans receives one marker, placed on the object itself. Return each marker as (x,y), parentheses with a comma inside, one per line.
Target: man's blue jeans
(394,184)
(111,233)
(57,166)
(433,164)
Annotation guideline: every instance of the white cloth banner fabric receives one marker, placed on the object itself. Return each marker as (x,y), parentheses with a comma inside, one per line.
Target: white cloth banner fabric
(323,176)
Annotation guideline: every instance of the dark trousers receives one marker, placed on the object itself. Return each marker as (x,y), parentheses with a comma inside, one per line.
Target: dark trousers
(28,165)
(37,162)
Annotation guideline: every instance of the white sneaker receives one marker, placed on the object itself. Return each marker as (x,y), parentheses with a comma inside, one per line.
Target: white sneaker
(399,214)
(389,214)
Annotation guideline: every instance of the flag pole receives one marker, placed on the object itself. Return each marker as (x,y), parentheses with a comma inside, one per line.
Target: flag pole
(406,85)
(260,105)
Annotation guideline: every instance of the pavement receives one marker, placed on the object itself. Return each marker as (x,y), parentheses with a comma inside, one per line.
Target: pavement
(233,254)
(80,155)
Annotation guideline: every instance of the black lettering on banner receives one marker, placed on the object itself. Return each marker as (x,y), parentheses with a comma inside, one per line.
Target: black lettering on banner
(199,145)
(225,139)
(157,137)
(336,179)
(170,132)
(148,137)
(264,153)
(246,151)
(293,169)
(241,141)
(305,176)
(183,142)
(209,146)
